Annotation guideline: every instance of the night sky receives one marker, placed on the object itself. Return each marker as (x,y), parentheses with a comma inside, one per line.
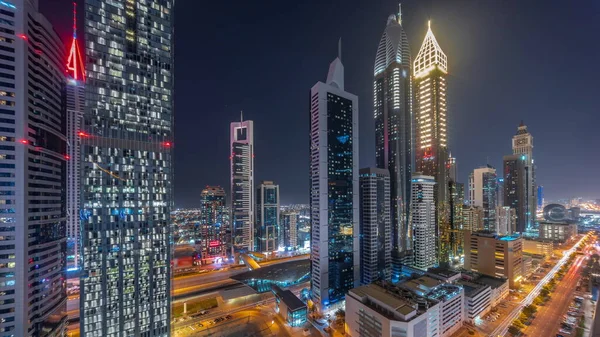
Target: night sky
(537,61)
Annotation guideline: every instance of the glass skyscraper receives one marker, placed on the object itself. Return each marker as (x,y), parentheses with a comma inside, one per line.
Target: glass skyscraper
(267,217)
(393,127)
(242,185)
(126,168)
(333,189)
(33,155)
(211,234)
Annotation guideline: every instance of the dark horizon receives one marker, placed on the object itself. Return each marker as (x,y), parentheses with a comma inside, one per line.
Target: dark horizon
(509,61)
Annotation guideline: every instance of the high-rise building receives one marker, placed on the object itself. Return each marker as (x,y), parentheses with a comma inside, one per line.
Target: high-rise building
(423,221)
(452,168)
(375,225)
(483,193)
(267,217)
(431,124)
(334,188)
(499,256)
(394,148)
(75,104)
(33,168)
(540,197)
(506,220)
(126,168)
(522,145)
(242,185)
(515,188)
(457,201)
(472,218)
(500,191)
(211,235)
(289,227)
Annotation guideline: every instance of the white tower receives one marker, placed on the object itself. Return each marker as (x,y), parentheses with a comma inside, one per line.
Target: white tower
(242,184)
(423,221)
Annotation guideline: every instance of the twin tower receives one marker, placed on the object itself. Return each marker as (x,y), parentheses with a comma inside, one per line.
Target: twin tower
(410,111)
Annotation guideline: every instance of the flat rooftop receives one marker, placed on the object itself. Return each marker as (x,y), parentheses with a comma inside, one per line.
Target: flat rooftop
(443,272)
(403,306)
(471,288)
(493,282)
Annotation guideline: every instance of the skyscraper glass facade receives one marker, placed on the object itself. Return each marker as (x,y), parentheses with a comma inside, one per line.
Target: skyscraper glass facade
(211,234)
(242,185)
(126,156)
(267,217)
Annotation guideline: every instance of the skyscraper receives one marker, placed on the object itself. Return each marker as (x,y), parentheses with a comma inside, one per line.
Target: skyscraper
(423,221)
(515,188)
(289,227)
(334,188)
(500,190)
(75,94)
(522,145)
(242,185)
(126,169)
(33,153)
(452,168)
(506,220)
(456,201)
(393,127)
(375,225)
(540,197)
(483,192)
(211,235)
(267,217)
(430,71)
(472,218)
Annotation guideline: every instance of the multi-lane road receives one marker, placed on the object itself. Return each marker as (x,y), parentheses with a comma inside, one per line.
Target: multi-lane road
(502,328)
(548,319)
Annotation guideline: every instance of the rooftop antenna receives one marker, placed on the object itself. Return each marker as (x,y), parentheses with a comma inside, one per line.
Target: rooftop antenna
(429,24)
(241,116)
(75,66)
(400,13)
(340,48)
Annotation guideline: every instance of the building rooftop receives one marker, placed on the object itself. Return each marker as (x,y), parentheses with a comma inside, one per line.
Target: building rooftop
(493,282)
(472,288)
(443,273)
(431,288)
(401,305)
(289,299)
(283,274)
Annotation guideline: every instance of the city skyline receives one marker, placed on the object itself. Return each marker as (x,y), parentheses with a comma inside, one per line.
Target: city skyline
(474,55)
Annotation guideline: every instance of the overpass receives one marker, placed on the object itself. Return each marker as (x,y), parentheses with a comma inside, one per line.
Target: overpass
(249,261)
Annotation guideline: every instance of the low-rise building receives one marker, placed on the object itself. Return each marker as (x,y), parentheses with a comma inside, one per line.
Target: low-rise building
(383,310)
(289,307)
(478,299)
(527,265)
(556,231)
(538,247)
(494,255)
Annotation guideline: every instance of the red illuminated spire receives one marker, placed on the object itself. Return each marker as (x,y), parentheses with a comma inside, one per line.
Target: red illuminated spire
(75,67)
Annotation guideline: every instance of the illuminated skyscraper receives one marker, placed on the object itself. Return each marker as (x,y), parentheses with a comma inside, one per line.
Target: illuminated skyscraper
(242,185)
(289,227)
(126,169)
(267,217)
(375,229)
(75,107)
(393,128)
(423,221)
(522,145)
(211,235)
(430,71)
(334,189)
(483,193)
(32,174)
(515,188)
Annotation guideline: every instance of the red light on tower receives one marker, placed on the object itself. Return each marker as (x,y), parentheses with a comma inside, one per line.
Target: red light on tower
(24,141)
(167,144)
(75,67)
(82,134)
(67,157)
(23,36)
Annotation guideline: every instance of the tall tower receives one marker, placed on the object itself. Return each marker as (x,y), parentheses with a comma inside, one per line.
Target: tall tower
(75,107)
(393,128)
(267,217)
(423,221)
(522,145)
(431,119)
(515,188)
(333,189)
(483,191)
(242,185)
(213,223)
(375,225)
(32,173)
(126,169)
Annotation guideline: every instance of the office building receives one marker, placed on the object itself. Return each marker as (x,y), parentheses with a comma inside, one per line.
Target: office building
(522,145)
(540,197)
(423,221)
(127,173)
(385,310)
(472,218)
(457,200)
(394,148)
(211,234)
(539,247)
(375,225)
(267,217)
(498,256)
(452,168)
(75,104)
(33,168)
(431,124)
(483,192)
(500,191)
(450,296)
(557,232)
(515,191)
(334,188)
(242,185)
(289,227)
(482,293)
(506,220)
(291,309)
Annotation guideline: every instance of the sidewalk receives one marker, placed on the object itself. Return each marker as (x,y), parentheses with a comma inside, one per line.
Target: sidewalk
(589,309)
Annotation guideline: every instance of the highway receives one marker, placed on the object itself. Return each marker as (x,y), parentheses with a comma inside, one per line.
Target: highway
(502,328)
(548,318)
